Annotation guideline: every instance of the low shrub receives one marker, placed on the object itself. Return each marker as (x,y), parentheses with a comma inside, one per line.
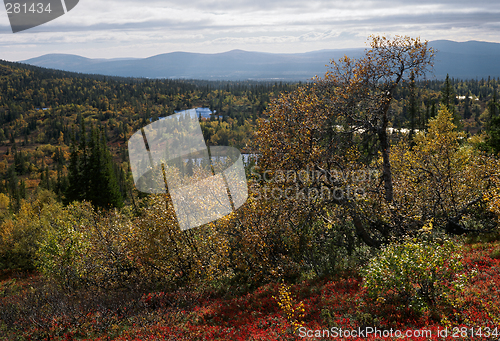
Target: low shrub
(21,232)
(495,254)
(415,273)
(116,250)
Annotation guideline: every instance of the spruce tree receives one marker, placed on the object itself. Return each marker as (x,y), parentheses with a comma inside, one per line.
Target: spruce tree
(492,143)
(448,100)
(493,107)
(413,106)
(91,172)
(448,95)
(104,190)
(73,191)
(14,190)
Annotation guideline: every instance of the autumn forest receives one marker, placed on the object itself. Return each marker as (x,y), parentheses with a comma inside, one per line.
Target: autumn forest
(393,225)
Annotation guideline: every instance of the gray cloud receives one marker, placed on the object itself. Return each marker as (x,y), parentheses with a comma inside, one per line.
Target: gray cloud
(142,28)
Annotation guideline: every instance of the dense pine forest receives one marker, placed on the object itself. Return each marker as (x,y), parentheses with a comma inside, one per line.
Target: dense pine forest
(373,202)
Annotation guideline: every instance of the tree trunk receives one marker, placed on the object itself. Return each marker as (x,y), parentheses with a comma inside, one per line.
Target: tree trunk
(386,165)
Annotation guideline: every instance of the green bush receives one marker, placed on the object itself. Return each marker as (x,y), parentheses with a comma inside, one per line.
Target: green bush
(21,232)
(415,273)
(495,254)
(63,245)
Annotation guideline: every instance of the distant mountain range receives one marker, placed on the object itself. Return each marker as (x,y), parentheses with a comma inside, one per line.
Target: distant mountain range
(465,60)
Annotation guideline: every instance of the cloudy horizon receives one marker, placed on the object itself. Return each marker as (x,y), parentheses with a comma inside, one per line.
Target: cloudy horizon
(138,29)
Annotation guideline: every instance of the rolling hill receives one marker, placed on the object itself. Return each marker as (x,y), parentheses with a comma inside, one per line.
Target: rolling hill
(465,60)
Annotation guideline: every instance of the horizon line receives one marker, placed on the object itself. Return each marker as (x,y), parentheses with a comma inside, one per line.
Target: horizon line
(237,50)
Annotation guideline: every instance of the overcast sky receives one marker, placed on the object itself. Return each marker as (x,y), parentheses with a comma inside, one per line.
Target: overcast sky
(133,28)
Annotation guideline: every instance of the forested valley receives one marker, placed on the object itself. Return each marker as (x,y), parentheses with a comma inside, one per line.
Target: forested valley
(42,111)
